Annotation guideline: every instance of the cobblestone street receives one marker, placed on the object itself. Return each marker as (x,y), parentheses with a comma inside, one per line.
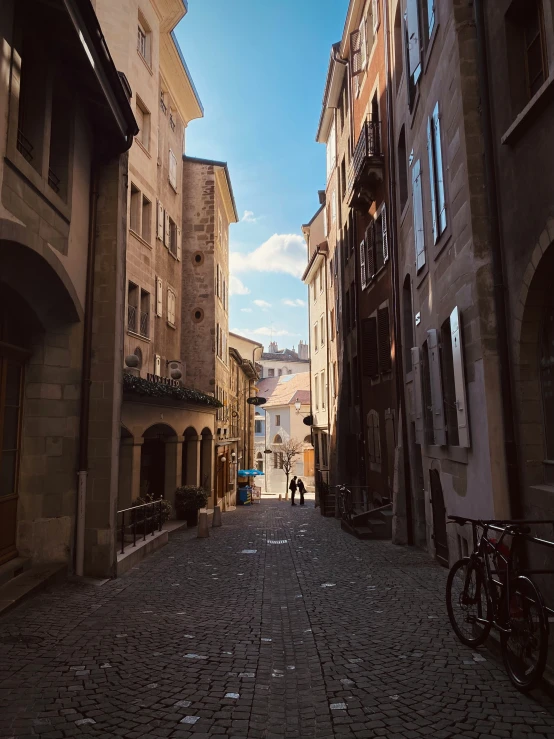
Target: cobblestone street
(279,625)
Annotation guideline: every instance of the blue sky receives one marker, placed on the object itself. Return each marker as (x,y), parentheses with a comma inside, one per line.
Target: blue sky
(259,68)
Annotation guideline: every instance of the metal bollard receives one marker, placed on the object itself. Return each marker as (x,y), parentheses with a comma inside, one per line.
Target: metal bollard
(217,517)
(203,530)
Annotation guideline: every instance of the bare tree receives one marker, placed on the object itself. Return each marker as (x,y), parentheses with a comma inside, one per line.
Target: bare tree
(288,451)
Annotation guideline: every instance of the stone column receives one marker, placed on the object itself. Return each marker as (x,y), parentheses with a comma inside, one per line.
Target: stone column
(129,471)
(173,466)
(193,460)
(106,370)
(207,451)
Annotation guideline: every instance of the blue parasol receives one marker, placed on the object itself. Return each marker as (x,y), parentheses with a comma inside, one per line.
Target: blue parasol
(249,473)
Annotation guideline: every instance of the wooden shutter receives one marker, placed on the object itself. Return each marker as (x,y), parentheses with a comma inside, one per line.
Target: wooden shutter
(418,396)
(159,296)
(437,397)
(356,53)
(441,200)
(459,378)
(376,18)
(363,41)
(414,51)
(385,234)
(370,250)
(167,230)
(432,183)
(362,264)
(160,222)
(172,170)
(179,244)
(370,358)
(385,361)
(419,234)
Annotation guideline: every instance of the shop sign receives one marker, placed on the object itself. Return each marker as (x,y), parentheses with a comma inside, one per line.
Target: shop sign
(163,380)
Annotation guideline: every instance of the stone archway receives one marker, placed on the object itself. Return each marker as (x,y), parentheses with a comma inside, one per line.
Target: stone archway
(157,466)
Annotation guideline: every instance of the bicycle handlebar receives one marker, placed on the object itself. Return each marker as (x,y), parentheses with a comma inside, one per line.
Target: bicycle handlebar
(513,526)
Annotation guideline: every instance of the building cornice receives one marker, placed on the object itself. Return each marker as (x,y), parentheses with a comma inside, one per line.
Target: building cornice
(169,12)
(176,76)
(316,259)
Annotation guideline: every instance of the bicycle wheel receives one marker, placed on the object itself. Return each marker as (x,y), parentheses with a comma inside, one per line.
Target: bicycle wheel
(467,602)
(525,648)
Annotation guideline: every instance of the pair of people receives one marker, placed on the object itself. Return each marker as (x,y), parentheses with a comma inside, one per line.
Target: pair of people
(297,484)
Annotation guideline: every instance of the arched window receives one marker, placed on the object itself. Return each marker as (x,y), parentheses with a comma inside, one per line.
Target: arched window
(260,462)
(547,379)
(277,439)
(307,439)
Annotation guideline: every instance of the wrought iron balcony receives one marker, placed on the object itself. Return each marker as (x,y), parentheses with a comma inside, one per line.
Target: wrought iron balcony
(132,318)
(24,145)
(366,168)
(145,324)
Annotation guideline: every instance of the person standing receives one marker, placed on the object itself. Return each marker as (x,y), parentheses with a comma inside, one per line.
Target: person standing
(301,490)
(292,488)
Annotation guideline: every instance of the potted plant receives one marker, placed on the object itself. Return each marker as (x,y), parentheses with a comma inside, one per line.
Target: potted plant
(188,501)
(149,519)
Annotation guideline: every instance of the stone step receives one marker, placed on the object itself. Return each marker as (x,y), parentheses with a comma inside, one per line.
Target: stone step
(32,580)
(13,568)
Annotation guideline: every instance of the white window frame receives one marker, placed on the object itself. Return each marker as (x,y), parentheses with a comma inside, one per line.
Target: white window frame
(171,305)
(172,173)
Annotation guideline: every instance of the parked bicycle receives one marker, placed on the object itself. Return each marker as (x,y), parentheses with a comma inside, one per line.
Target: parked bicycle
(488,589)
(346,502)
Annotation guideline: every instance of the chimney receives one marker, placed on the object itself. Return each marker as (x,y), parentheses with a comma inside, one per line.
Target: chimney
(273,348)
(303,351)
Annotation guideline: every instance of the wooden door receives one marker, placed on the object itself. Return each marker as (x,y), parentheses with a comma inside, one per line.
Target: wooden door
(439,518)
(11,393)
(309,462)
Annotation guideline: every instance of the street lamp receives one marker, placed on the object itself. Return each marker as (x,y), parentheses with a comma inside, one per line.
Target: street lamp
(298,405)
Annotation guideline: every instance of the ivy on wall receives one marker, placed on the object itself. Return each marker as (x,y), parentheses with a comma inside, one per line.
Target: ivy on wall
(139,386)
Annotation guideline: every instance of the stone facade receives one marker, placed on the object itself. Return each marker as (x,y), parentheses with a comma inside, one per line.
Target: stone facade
(51,243)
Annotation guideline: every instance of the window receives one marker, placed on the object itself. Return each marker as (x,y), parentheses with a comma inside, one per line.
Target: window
(527,50)
(383,326)
(144,40)
(321,280)
(419,233)
(271,373)
(436,179)
(370,356)
(316,342)
(159,296)
(144,326)
(173,170)
(258,427)
(334,207)
(428,19)
(143,121)
(381,240)
(398,51)
(133,307)
(146,225)
(324,450)
(374,249)
(402,170)
(218,340)
(342,180)
(373,437)
(134,213)
(172,245)
(413,51)
(427,401)
(316,391)
(171,305)
(277,422)
(322,329)
(323,390)
(331,273)
(331,150)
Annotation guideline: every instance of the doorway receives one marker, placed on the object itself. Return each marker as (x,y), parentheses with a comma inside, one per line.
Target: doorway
(439,518)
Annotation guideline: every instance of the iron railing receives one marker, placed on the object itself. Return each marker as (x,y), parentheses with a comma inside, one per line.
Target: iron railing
(163,106)
(143,519)
(172,122)
(54,181)
(132,318)
(25,146)
(145,324)
(369,145)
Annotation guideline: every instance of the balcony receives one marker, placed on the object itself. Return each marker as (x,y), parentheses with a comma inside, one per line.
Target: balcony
(367,168)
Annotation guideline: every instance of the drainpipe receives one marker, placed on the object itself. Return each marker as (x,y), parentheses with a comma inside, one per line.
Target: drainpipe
(506,382)
(326,262)
(86,379)
(398,366)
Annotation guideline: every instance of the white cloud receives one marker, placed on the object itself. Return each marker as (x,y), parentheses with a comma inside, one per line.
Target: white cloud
(236,287)
(264,305)
(280,253)
(246,310)
(294,303)
(248,217)
(262,331)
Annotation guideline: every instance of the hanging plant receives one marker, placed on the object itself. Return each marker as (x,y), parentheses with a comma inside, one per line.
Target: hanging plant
(146,388)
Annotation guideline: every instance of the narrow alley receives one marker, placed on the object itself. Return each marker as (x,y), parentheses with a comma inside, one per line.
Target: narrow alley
(279,625)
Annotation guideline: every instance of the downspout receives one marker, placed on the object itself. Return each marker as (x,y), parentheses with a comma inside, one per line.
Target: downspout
(398,366)
(326,258)
(86,379)
(506,382)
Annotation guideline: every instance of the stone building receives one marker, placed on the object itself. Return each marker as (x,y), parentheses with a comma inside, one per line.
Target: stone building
(276,362)
(65,127)
(320,305)
(240,412)
(516,79)
(167,426)
(208,210)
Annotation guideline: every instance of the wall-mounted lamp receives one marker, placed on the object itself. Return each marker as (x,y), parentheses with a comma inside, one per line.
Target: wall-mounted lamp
(298,405)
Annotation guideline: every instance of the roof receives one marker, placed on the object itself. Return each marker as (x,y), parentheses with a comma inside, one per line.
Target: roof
(285,390)
(284,355)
